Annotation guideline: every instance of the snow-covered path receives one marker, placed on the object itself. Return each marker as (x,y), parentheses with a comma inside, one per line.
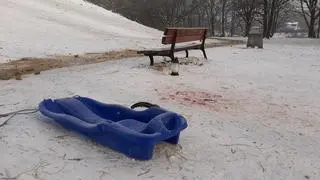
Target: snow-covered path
(40,28)
(263,122)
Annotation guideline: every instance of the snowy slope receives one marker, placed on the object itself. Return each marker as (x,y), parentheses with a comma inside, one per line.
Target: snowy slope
(46,27)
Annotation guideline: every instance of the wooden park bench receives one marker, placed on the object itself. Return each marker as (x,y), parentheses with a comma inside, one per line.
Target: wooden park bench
(179,35)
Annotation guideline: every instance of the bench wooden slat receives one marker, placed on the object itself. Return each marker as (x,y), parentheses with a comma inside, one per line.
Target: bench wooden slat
(176,35)
(181,39)
(168,49)
(184,31)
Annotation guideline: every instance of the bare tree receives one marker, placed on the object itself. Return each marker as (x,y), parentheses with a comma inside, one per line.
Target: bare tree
(211,14)
(247,10)
(271,11)
(178,13)
(310,12)
(200,11)
(223,16)
(235,22)
(169,12)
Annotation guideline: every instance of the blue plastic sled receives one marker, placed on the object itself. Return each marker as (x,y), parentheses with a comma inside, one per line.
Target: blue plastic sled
(133,133)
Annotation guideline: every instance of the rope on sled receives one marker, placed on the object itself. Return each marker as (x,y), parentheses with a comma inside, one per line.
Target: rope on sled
(11,115)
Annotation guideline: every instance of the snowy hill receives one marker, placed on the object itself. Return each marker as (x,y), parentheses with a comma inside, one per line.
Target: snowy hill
(40,28)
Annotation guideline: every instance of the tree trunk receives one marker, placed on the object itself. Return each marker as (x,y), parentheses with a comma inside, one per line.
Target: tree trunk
(199,19)
(213,25)
(248,28)
(209,24)
(232,23)
(275,24)
(319,26)
(271,18)
(265,18)
(311,33)
(223,18)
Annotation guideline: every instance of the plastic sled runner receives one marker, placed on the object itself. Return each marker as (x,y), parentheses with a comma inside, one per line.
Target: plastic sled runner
(133,133)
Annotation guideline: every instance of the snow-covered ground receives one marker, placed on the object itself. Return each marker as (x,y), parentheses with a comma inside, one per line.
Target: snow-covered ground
(262,124)
(31,28)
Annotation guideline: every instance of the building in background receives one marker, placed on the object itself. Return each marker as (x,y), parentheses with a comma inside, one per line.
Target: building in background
(292,26)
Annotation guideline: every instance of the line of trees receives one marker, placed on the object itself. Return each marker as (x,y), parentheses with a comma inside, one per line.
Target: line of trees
(222,17)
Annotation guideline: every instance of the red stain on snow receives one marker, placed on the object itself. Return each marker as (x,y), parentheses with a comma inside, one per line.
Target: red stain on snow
(216,102)
(199,98)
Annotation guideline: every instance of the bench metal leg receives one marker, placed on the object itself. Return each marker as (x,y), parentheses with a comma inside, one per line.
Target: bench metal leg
(204,53)
(187,53)
(172,57)
(151,60)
